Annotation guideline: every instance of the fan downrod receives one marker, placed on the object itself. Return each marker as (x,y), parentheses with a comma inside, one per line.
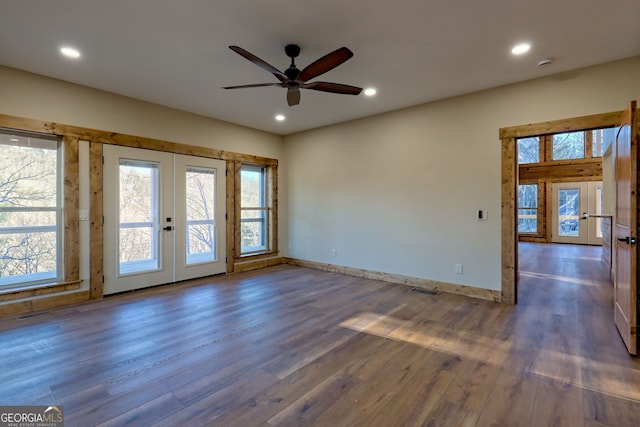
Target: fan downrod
(292,51)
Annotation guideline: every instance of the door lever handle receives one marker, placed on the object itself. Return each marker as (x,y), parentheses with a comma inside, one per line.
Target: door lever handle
(168,228)
(628,240)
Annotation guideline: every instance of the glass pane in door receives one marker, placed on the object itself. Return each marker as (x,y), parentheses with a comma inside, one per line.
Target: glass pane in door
(569,212)
(200,221)
(599,203)
(138,240)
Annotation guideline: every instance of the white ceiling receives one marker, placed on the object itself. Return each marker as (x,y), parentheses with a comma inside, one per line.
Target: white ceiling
(175,53)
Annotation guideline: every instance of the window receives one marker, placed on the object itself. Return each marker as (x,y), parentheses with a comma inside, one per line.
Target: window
(254,209)
(570,145)
(30,209)
(529,150)
(602,139)
(139,210)
(528,208)
(201,221)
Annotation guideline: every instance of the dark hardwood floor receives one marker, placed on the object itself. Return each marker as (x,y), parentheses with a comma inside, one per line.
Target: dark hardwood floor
(291,346)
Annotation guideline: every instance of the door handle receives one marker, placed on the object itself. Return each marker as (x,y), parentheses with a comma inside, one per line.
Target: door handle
(168,228)
(628,240)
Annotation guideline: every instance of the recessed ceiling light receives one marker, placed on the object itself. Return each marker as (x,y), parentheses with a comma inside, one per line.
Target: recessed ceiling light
(14,140)
(280,117)
(521,48)
(70,52)
(370,91)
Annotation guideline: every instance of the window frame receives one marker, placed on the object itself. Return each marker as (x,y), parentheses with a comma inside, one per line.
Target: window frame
(586,147)
(270,211)
(541,142)
(63,199)
(539,198)
(262,208)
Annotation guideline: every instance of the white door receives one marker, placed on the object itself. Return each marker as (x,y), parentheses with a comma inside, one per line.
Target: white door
(163,218)
(570,201)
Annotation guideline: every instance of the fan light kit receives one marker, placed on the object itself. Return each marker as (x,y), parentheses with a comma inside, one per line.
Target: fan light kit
(294,79)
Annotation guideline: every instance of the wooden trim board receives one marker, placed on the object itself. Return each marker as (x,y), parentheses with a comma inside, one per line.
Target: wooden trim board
(432,285)
(257,264)
(33,291)
(43,303)
(107,137)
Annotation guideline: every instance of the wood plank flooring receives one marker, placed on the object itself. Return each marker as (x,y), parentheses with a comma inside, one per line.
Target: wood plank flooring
(289,346)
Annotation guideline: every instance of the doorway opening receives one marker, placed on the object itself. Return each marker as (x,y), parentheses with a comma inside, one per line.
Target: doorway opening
(512,176)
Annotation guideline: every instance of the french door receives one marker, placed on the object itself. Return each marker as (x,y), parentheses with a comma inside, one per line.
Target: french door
(164,217)
(570,201)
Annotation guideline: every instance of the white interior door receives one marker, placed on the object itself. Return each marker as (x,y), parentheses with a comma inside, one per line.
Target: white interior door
(570,201)
(164,217)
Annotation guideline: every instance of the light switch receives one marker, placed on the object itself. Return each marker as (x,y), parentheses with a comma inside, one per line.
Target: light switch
(84,215)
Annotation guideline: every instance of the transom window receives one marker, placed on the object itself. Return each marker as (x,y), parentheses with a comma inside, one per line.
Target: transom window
(529,150)
(570,145)
(30,209)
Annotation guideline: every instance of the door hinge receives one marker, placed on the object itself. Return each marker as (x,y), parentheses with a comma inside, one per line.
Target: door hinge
(225,260)
(102,219)
(102,279)
(226,216)
(103,160)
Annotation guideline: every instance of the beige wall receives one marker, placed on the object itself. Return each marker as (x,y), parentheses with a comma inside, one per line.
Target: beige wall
(399,192)
(396,193)
(37,97)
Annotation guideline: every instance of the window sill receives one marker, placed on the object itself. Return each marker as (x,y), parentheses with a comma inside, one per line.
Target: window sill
(36,290)
(259,255)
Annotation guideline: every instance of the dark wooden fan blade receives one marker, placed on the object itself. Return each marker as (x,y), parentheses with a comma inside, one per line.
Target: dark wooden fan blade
(333,88)
(260,63)
(253,85)
(324,64)
(293,96)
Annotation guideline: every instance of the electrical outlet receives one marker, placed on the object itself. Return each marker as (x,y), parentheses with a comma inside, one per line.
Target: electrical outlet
(458,269)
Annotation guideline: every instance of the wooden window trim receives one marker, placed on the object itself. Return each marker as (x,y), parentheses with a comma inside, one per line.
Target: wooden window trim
(70,251)
(36,290)
(71,214)
(71,136)
(272,203)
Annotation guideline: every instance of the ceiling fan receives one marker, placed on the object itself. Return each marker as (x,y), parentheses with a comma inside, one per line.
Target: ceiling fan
(294,79)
